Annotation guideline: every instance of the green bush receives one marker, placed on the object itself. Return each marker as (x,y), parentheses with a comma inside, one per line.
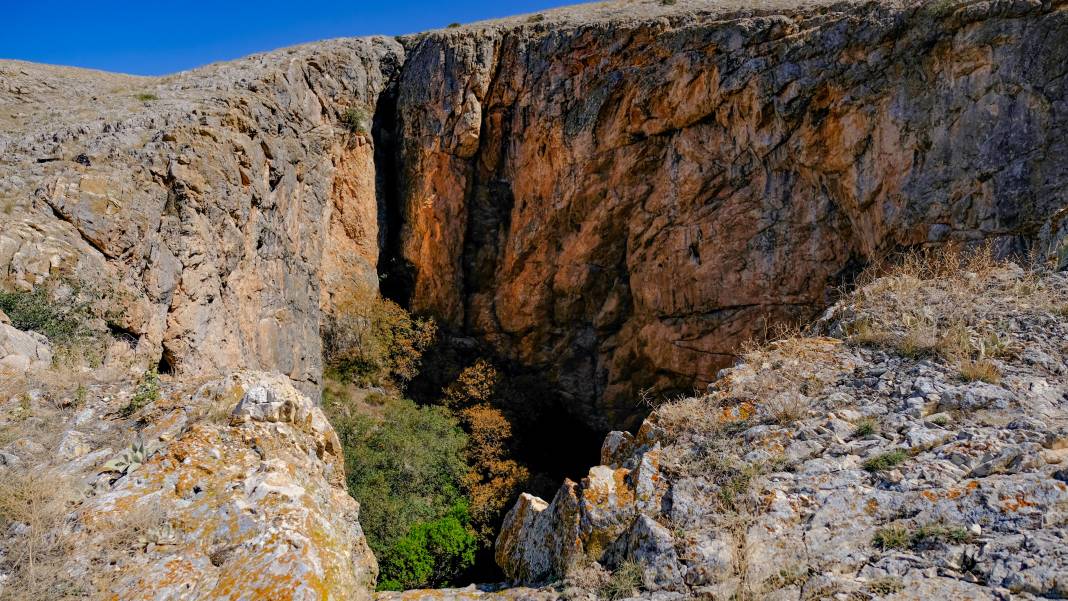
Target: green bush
(405,465)
(892,537)
(624,581)
(886,461)
(431,554)
(147,392)
(60,315)
(355,120)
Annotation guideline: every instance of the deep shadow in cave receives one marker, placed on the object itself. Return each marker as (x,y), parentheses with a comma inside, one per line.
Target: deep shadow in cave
(549,439)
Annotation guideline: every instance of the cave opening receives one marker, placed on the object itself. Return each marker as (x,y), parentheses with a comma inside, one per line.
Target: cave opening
(549,439)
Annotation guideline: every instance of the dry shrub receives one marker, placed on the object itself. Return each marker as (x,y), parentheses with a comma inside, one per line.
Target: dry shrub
(36,512)
(983,370)
(776,381)
(373,341)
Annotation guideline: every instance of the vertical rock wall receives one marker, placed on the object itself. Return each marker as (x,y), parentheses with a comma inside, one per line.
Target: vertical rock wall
(620,202)
(204,201)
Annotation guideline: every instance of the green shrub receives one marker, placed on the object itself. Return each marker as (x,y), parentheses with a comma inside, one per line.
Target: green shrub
(355,120)
(886,461)
(147,97)
(898,537)
(623,582)
(405,465)
(892,537)
(431,554)
(865,427)
(931,533)
(147,392)
(373,341)
(58,312)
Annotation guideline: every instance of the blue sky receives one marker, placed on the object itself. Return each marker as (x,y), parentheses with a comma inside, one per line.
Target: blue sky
(150,37)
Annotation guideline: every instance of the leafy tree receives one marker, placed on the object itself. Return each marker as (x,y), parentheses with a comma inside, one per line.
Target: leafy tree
(431,554)
(475,384)
(372,340)
(495,478)
(405,465)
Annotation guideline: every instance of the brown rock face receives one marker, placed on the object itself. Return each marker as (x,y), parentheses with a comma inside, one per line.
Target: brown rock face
(621,202)
(613,199)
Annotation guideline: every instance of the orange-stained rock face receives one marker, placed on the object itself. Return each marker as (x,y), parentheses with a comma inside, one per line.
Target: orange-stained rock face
(644,195)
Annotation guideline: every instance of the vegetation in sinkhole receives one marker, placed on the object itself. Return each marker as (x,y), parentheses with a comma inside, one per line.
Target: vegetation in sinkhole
(433,480)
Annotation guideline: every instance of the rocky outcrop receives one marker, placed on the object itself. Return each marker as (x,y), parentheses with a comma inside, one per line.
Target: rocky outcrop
(865,464)
(204,201)
(619,200)
(20,351)
(233,489)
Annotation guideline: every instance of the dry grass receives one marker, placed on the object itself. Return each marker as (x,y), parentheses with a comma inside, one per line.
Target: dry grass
(937,304)
(775,383)
(981,370)
(37,512)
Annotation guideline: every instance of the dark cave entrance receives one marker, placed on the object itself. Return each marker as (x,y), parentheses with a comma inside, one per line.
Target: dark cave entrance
(548,437)
(549,440)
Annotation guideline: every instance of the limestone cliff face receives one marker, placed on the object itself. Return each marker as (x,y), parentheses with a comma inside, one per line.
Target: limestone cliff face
(204,201)
(613,197)
(621,200)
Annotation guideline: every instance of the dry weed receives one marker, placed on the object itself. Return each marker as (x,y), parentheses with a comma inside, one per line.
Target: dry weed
(36,511)
(982,370)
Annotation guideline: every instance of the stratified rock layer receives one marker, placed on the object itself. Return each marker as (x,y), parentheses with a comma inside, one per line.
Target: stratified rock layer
(622,200)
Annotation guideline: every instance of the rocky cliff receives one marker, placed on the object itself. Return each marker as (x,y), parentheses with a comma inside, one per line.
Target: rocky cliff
(621,200)
(610,196)
(204,202)
(613,197)
(918,452)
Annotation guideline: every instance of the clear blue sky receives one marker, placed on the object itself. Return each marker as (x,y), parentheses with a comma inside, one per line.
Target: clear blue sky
(151,37)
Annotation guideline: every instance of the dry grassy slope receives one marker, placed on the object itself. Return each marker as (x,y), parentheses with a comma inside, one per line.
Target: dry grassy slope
(876,461)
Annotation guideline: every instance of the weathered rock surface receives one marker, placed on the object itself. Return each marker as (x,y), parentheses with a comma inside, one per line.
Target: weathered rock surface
(205,201)
(233,489)
(21,351)
(622,199)
(820,468)
(613,195)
